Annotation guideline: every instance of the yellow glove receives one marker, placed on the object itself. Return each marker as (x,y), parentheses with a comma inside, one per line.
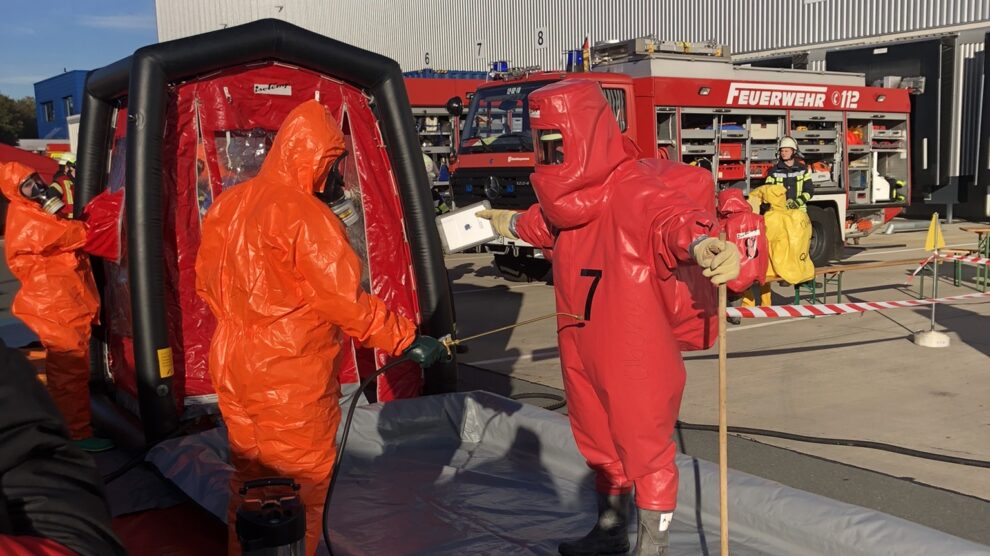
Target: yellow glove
(719,259)
(755,199)
(501,221)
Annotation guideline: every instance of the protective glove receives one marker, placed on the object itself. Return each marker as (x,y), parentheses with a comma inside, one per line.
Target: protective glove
(792,204)
(501,221)
(718,258)
(426,351)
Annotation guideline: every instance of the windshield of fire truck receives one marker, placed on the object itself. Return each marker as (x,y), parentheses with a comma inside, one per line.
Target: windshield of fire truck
(499,120)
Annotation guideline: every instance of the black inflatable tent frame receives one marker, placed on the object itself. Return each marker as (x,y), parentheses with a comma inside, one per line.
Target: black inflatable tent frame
(143,79)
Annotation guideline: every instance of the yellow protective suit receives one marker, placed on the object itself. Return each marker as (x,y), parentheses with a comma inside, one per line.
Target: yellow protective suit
(788,236)
(277,271)
(58,298)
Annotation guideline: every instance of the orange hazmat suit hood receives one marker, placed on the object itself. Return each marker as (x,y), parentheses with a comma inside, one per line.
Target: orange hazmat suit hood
(573,193)
(11,176)
(307,143)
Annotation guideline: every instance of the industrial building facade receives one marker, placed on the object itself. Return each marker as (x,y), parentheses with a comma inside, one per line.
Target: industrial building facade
(469,34)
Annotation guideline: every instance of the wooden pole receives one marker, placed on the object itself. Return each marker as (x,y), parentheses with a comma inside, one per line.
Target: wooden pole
(723,428)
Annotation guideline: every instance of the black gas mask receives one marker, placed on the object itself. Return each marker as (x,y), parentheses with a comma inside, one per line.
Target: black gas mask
(48,198)
(549,146)
(335,196)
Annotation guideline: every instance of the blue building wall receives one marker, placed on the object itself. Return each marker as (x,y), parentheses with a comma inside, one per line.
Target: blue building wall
(55,90)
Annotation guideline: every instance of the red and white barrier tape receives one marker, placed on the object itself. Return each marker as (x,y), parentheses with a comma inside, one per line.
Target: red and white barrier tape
(924,263)
(827,309)
(971,259)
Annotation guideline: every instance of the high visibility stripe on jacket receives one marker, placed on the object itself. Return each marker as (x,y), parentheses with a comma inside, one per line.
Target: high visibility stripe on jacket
(796,180)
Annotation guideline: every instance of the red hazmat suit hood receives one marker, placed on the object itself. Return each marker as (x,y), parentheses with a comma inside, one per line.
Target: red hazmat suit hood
(732,201)
(572,194)
(307,143)
(11,176)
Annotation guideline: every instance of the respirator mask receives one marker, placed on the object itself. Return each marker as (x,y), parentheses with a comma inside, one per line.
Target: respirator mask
(48,198)
(335,196)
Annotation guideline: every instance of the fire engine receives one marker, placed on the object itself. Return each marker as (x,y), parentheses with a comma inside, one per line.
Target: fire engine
(688,102)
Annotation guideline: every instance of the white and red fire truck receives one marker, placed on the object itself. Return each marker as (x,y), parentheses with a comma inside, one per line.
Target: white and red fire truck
(688,102)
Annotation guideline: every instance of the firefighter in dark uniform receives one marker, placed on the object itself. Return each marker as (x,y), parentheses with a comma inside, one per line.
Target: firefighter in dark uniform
(791,172)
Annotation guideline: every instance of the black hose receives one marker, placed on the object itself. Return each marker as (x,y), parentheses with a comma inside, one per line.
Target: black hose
(841,442)
(123,469)
(355,397)
(558,399)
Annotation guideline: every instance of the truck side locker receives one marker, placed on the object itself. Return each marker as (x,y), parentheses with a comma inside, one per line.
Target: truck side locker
(820,137)
(882,152)
(667,136)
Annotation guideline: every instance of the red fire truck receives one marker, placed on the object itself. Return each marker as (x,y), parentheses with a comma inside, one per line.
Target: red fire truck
(688,102)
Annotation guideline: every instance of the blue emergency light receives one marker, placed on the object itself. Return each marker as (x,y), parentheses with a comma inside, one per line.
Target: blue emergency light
(575,60)
(500,66)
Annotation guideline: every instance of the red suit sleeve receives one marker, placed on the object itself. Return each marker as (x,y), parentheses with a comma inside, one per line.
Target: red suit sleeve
(102,218)
(532,228)
(674,229)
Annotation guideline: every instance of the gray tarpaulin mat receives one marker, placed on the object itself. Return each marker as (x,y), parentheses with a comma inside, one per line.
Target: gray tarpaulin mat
(475,473)
(15,333)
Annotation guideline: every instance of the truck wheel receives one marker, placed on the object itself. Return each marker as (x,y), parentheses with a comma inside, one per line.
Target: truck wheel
(521,269)
(824,234)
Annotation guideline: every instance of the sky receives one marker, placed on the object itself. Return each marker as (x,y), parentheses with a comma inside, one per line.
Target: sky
(41,38)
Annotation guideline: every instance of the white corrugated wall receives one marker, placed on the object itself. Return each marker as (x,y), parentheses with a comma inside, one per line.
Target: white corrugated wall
(469,34)
(450,30)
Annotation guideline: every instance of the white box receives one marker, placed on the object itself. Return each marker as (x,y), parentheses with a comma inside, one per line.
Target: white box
(821,176)
(461,229)
(764,132)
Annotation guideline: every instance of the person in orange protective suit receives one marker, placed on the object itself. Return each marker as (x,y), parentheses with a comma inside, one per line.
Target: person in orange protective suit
(275,268)
(58,298)
(619,228)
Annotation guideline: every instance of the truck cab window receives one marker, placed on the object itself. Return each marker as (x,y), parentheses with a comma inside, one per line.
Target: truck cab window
(498,120)
(617,100)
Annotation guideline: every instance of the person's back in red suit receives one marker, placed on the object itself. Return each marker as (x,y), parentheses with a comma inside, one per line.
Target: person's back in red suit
(619,229)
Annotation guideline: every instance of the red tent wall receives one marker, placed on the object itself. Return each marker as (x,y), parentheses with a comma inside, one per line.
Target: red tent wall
(243,107)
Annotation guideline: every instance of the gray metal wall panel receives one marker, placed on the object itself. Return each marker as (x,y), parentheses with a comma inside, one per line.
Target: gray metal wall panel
(970,101)
(448,29)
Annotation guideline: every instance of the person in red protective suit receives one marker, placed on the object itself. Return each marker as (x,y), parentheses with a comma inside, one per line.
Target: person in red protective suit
(58,298)
(275,268)
(618,232)
(746,229)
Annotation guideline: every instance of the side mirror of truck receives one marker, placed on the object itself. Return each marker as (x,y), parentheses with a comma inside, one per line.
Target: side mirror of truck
(455,106)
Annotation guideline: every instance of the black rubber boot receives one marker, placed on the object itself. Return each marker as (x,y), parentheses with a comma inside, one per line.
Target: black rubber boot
(650,541)
(610,534)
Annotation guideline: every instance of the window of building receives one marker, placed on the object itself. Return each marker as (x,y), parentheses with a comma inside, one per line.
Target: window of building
(67,103)
(49,110)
